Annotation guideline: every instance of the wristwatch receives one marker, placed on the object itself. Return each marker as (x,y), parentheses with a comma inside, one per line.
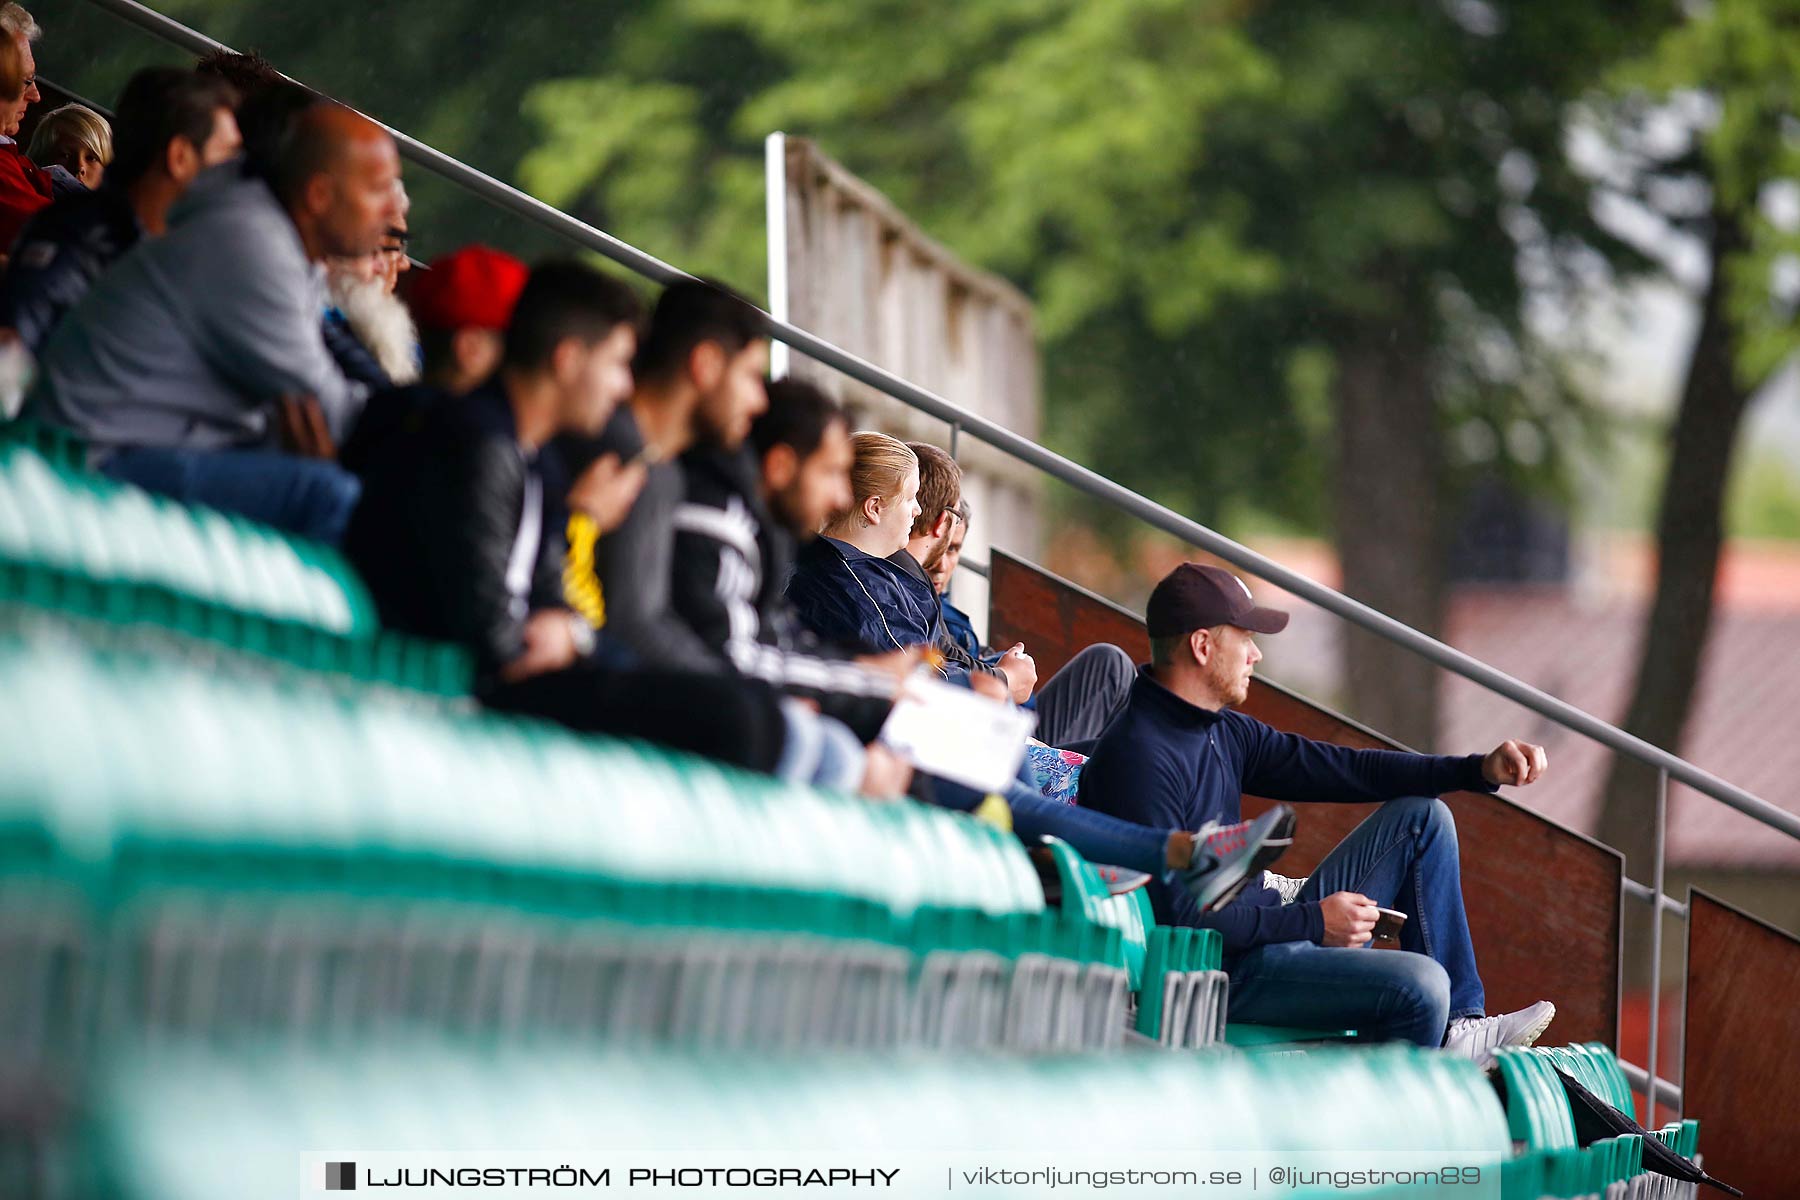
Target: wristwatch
(582,634)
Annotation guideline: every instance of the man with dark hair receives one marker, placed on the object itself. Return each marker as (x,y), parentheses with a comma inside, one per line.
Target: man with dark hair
(1180,753)
(247,72)
(187,359)
(699,381)
(169,126)
(1078,702)
(699,386)
(734,543)
(456,539)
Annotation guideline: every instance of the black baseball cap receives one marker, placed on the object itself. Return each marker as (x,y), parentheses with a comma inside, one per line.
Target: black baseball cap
(1193,597)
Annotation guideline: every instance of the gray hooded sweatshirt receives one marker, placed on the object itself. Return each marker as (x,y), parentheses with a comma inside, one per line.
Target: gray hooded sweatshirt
(190,338)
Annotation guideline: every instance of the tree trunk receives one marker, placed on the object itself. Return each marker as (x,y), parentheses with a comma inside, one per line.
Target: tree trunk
(1689,537)
(1390,532)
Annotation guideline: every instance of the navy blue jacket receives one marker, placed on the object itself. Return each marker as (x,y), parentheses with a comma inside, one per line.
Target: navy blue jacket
(59,254)
(962,631)
(1171,765)
(872,605)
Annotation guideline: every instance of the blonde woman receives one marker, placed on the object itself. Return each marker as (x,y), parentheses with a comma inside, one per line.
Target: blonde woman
(849,586)
(77,139)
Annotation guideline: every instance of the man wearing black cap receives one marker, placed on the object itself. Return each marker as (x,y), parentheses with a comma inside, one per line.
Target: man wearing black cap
(1178,756)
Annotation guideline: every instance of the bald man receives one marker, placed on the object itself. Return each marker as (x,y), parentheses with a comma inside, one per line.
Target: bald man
(196,367)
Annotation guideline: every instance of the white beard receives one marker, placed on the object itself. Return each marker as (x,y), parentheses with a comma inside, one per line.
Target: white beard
(381,323)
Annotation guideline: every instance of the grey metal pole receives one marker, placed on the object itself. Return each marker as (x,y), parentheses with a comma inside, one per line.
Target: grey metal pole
(1667,1094)
(1656,928)
(1053,464)
(775,232)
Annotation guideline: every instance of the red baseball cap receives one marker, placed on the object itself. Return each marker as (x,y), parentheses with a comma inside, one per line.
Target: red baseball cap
(475,287)
(1199,597)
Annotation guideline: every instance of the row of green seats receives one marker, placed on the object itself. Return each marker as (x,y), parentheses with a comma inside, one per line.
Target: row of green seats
(259,1110)
(1552,1163)
(1183,990)
(141,768)
(110,531)
(57,446)
(253,856)
(78,544)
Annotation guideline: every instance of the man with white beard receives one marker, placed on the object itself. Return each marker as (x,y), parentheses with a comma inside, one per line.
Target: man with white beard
(368,329)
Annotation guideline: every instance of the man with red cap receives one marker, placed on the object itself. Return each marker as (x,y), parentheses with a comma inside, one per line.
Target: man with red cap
(462,304)
(1179,756)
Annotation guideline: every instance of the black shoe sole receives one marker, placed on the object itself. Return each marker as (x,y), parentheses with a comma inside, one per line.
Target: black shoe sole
(1266,853)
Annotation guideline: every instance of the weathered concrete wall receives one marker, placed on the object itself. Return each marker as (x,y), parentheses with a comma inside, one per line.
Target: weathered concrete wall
(861,275)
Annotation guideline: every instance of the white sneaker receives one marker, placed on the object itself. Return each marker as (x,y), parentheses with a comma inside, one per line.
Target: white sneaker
(1477,1038)
(1288,889)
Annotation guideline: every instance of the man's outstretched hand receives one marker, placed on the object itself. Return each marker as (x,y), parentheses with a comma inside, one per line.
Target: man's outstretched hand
(1514,762)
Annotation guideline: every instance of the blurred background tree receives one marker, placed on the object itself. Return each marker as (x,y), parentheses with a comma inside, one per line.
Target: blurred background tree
(1730,76)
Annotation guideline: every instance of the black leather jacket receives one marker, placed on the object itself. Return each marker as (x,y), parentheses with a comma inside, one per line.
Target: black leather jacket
(60,253)
(440,512)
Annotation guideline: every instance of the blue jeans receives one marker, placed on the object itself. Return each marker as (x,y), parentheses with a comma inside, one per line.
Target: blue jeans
(306,496)
(1095,836)
(1404,856)
(819,750)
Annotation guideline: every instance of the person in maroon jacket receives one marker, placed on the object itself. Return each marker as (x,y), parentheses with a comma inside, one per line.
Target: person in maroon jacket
(23,187)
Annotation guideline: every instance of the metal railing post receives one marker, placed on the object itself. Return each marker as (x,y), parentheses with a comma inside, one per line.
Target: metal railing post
(775,227)
(1656,932)
(955,436)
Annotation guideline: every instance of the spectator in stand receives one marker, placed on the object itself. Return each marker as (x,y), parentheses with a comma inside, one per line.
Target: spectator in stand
(77,139)
(940,490)
(738,526)
(856,585)
(22,29)
(369,330)
(455,539)
(1079,702)
(699,385)
(461,304)
(699,379)
(956,622)
(172,125)
(23,187)
(199,349)
(247,73)
(1180,754)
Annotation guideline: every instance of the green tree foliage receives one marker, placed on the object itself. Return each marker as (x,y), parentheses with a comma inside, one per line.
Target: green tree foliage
(1730,70)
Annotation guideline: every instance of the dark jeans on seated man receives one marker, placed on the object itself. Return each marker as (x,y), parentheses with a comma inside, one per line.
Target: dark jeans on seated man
(310,497)
(722,717)
(1404,857)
